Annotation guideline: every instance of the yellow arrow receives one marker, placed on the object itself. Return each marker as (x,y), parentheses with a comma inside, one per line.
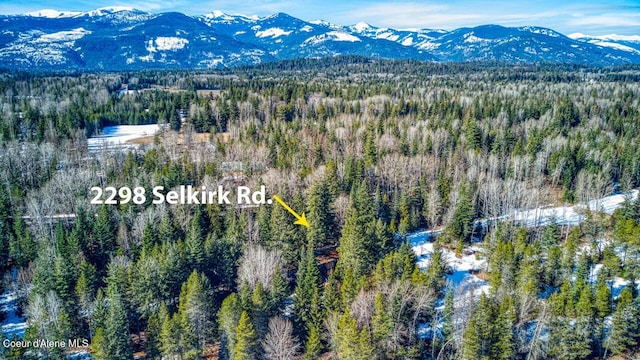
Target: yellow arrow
(302,220)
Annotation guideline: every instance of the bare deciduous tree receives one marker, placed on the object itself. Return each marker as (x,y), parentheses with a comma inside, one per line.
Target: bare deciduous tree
(259,265)
(280,343)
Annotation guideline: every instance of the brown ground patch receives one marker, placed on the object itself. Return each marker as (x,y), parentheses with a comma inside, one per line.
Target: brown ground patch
(211,352)
(142,141)
(482,275)
(196,138)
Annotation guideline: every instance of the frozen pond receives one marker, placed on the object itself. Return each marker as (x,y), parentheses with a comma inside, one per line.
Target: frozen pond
(119,136)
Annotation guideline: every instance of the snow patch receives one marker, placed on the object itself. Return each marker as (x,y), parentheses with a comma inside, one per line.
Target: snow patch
(13,324)
(163,43)
(615,285)
(272,33)
(471,38)
(538,30)
(407,42)
(332,36)
(570,215)
(614,46)
(52,14)
(63,36)
(387,35)
(306,28)
(461,268)
(613,37)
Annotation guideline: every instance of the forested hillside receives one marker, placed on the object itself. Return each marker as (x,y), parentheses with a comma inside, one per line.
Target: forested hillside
(371,151)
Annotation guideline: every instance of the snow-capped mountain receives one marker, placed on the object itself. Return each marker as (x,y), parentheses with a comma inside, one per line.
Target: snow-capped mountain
(286,37)
(523,44)
(121,38)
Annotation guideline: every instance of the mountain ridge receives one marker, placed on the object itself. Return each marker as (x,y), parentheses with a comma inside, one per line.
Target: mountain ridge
(124,38)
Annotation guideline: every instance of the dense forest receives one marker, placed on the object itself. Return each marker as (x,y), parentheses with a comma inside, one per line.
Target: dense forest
(371,151)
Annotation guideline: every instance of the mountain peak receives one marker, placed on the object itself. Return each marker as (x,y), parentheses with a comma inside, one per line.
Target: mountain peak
(361,26)
(279,15)
(109,10)
(221,15)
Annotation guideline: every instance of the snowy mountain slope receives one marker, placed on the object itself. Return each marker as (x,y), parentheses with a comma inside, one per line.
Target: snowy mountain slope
(418,38)
(498,43)
(287,37)
(123,39)
(119,38)
(620,42)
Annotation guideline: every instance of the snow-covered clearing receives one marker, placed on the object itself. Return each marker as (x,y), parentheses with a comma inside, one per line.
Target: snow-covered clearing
(570,215)
(461,268)
(471,260)
(119,136)
(461,277)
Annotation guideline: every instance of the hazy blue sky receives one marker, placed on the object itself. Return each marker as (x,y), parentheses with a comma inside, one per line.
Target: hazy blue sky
(591,17)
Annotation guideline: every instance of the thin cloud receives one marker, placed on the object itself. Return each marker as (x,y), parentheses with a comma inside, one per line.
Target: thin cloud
(409,15)
(606,20)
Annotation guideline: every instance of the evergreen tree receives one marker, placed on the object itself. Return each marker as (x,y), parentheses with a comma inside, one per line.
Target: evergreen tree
(260,310)
(169,341)
(228,318)
(359,247)
(602,299)
(313,346)
(461,225)
(99,345)
(22,246)
(167,230)
(471,342)
(194,309)
(436,270)
(321,215)
(288,238)
(331,294)
(381,324)
(246,344)
(149,238)
(348,338)
(278,292)
(103,242)
(154,330)
(503,343)
(116,331)
(307,286)
(625,325)
(195,240)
